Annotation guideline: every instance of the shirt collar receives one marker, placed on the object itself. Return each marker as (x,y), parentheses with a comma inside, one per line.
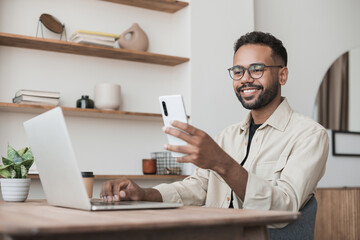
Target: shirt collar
(278,119)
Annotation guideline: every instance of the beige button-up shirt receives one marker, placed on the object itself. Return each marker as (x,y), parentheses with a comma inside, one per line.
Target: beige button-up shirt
(286,160)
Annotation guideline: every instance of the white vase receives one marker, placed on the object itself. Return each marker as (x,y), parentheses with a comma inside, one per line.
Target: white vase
(15,189)
(107,96)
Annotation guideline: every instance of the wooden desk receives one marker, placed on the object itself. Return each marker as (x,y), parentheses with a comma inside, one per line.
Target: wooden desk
(37,220)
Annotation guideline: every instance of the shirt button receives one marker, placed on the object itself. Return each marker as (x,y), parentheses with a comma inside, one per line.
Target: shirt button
(228,198)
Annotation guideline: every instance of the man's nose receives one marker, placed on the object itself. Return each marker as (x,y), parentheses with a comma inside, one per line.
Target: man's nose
(246,78)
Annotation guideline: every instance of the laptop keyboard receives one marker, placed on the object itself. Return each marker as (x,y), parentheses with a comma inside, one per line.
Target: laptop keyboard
(102,203)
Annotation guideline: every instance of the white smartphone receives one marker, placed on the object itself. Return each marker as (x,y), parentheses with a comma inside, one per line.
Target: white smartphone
(173,108)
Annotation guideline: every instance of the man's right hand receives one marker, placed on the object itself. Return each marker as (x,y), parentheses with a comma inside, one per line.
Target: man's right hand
(125,189)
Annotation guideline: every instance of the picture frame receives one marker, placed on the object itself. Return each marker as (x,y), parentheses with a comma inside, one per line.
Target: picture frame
(345,143)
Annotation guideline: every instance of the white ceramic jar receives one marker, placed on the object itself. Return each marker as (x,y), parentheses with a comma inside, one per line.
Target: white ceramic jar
(107,96)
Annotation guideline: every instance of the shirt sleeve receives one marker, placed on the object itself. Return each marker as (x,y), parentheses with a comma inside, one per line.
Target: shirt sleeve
(190,191)
(299,174)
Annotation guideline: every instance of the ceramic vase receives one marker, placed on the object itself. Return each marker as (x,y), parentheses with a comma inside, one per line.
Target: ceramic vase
(138,39)
(107,96)
(15,189)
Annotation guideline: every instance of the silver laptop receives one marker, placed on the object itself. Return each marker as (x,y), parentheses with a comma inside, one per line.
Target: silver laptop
(58,169)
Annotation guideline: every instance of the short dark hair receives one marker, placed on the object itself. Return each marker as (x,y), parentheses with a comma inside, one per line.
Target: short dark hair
(261,38)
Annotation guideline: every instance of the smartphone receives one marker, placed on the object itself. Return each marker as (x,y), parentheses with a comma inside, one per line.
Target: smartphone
(173,108)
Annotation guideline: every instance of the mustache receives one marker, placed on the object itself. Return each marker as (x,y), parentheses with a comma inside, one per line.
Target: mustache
(249,86)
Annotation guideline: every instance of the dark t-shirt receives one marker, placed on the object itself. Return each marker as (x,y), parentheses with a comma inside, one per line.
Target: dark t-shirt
(253,128)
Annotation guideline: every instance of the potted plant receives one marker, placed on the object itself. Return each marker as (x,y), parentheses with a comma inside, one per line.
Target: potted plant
(15,186)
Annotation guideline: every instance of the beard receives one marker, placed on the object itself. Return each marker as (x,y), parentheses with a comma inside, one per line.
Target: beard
(265,97)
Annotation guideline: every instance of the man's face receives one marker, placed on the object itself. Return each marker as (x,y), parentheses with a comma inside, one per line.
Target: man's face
(256,93)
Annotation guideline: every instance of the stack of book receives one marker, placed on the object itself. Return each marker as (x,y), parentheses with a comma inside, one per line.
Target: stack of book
(37,97)
(94,38)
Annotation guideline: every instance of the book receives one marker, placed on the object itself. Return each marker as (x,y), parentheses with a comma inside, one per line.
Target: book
(36,99)
(37,93)
(88,36)
(36,103)
(94,42)
(92,33)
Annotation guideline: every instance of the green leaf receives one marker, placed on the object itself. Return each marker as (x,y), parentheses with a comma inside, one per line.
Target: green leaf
(5,173)
(17,169)
(6,166)
(12,173)
(27,163)
(17,158)
(6,161)
(10,152)
(24,171)
(22,151)
(28,155)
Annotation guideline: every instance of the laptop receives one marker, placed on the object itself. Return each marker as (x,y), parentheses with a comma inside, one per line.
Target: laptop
(58,169)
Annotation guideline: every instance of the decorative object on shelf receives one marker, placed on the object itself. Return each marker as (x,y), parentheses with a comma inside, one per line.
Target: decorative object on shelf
(94,38)
(88,178)
(15,186)
(149,166)
(85,102)
(37,97)
(138,39)
(107,96)
(166,164)
(52,24)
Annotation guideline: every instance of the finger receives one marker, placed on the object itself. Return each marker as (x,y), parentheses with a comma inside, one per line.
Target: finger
(185,127)
(119,186)
(124,195)
(179,134)
(177,148)
(106,191)
(185,159)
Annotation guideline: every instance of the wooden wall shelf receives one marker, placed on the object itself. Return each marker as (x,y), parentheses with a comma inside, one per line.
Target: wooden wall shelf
(134,177)
(14,40)
(79,112)
(169,6)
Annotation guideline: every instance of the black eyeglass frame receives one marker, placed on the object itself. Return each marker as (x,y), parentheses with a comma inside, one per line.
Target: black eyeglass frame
(247,69)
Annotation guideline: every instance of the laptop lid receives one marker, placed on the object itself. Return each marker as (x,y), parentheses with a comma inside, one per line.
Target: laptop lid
(55,160)
(58,169)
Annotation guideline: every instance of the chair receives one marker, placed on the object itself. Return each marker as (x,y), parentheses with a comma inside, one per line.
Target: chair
(302,229)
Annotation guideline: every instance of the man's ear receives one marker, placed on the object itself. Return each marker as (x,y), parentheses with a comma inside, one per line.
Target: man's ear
(283,75)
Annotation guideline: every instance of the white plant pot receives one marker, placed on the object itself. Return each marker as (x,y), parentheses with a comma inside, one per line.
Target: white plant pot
(15,189)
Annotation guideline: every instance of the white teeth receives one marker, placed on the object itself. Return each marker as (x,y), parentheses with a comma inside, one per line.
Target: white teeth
(249,91)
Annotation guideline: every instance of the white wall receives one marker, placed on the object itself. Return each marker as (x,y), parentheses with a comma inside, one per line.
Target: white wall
(340,171)
(215,26)
(315,33)
(354,86)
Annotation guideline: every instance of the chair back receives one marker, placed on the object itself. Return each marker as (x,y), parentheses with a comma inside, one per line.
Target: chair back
(303,229)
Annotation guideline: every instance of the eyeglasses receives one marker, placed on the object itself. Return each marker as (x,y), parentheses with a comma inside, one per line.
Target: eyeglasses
(256,70)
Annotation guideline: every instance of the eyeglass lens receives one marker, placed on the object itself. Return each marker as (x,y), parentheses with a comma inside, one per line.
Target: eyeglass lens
(255,71)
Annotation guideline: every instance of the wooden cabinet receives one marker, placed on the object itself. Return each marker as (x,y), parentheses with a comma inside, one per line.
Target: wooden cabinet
(338,214)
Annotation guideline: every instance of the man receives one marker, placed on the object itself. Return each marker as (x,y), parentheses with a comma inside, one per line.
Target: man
(271,161)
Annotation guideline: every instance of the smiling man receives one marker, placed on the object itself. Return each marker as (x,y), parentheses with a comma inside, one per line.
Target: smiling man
(272,160)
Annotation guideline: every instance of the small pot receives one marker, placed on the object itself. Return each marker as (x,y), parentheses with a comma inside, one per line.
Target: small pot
(15,189)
